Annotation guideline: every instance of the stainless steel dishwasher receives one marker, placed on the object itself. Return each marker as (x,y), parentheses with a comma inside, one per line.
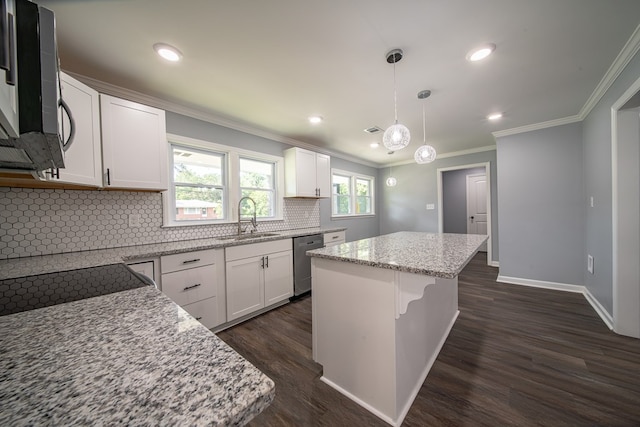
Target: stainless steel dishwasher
(302,263)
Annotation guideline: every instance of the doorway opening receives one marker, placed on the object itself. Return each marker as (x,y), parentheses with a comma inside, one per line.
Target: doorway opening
(454,215)
(625,167)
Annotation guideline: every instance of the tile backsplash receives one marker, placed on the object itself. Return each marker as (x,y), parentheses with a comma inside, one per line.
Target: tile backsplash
(42,221)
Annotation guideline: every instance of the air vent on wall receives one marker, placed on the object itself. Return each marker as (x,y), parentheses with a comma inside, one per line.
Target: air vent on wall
(373,129)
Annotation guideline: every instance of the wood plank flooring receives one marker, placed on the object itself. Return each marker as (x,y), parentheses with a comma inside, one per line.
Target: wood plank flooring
(516,356)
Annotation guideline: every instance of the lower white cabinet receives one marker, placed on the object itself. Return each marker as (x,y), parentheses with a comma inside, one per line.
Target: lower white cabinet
(146,267)
(335,238)
(195,281)
(258,276)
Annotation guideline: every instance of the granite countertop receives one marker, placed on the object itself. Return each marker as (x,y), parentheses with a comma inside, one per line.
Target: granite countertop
(127,358)
(20,267)
(433,254)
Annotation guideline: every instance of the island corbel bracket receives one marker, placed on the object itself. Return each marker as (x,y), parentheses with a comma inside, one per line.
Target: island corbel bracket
(410,287)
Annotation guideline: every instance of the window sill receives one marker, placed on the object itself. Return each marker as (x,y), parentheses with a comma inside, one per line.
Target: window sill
(211,223)
(339,217)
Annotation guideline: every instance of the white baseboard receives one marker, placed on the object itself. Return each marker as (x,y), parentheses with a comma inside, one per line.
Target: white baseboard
(602,312)
(494,264)
(595,304)
(540,284)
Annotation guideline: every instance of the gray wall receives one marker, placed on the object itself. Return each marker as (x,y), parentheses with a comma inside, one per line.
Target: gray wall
(357,228)
(454,199)
(541,204)
(403,207)
(597,183)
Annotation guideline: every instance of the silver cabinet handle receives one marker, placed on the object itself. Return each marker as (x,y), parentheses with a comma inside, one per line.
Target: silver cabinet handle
(262,263)
(199,318)
(267,259)
(335,237)
(192,286)
(189,261)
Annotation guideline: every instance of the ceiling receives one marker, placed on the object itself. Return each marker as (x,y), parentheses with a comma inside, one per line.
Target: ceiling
(268,65)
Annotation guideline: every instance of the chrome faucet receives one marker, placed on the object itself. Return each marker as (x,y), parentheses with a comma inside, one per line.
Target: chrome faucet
(254,222)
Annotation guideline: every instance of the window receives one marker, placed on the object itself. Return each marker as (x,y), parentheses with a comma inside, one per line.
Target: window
(257,180)
(208,180)
(352,194)
(198,184)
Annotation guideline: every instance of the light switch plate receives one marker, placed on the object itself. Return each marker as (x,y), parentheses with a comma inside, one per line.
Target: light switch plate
(590,264)
(134,220)
(430,206)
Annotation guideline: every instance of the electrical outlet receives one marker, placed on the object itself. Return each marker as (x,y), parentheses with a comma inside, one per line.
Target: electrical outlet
(134,220)
(591,201)
(590,264)
(430,206)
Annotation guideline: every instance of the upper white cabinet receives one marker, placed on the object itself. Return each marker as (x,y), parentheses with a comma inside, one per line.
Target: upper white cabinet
(83,159)
(134,145)
(307,174)
(8,63)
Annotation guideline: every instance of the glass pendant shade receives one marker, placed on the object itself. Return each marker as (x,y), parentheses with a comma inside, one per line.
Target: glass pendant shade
(396,137)
(391,182)
(425,154)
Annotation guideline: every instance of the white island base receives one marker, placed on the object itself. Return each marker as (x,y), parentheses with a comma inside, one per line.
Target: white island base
(377,331)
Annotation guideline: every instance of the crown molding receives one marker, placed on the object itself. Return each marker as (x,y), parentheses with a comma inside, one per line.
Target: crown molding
(537,126)
(622,60)
(445,155)
(131,95)
(628,51)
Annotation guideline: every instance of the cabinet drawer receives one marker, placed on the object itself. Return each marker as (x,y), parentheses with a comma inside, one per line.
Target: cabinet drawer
(188,286)
(205,311)
(257,249)
(177,262)
(336,237)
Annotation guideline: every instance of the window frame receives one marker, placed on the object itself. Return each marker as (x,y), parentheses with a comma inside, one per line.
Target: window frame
(353,197)
(231,180)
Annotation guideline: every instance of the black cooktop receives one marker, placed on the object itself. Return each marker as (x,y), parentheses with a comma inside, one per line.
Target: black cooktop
(43,290)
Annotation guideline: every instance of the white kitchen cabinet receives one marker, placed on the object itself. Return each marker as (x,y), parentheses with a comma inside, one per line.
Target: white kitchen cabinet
(83,158)
(8,92)
(307,174)
(195,281)
(258,276)
(134,145)
(148,267)
(335,238)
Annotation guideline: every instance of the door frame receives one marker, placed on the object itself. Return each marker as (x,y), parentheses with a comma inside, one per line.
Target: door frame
(487,172)
(627,323)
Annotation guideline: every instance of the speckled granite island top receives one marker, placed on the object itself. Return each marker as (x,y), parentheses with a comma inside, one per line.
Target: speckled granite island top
(433,254)
(128,358)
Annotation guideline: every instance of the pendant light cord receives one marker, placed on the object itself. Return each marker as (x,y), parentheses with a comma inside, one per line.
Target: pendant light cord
(395,95)
(424,125)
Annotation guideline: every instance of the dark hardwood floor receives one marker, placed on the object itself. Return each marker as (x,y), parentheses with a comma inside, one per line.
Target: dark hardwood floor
(516,356)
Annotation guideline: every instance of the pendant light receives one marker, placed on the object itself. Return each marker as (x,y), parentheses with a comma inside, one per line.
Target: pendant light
(397,136)
(391,181)
(425,153)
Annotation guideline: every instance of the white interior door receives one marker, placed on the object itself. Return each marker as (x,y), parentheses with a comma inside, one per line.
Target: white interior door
(477,206)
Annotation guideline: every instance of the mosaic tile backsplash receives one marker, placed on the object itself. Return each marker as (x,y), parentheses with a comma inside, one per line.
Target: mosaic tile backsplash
(42,222)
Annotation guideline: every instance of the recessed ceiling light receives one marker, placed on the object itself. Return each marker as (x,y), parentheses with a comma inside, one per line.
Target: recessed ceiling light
(315,119)
(168,52)
(494,116)
(374,145)
(481,52)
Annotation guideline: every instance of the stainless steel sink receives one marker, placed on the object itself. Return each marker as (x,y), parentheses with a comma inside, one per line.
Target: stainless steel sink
(246,236)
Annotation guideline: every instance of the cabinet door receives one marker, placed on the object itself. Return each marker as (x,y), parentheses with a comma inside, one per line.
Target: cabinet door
(278,277)
(305,173)
(245,287)
(9,93)
(134,145)
(323,175)
(83,159)
(204,311)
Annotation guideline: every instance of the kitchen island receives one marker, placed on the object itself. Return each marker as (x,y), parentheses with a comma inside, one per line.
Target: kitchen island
(382,310)
(128,358)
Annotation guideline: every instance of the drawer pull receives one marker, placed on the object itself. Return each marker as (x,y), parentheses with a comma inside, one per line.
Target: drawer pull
(192,286)
(335,237)
(190,261)
(199,318)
